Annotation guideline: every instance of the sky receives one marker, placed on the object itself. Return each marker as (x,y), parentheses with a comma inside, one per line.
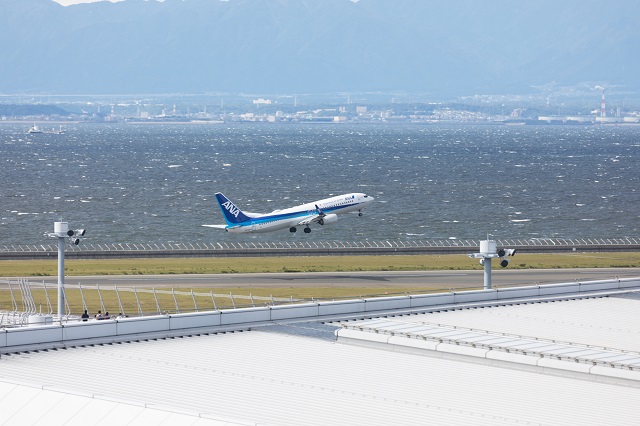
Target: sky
(449,48)
(70,2)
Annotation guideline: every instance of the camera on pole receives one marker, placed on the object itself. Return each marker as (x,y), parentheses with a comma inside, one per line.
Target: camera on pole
(61,231)
(488,251)
(503,253)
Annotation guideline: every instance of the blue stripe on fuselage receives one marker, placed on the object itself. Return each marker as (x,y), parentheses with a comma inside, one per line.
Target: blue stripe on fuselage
(292,215)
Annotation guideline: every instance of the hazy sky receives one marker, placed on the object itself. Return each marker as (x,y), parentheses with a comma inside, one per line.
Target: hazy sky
(453,48)
(69,2)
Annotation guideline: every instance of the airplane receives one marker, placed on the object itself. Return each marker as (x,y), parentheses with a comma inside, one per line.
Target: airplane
(322,212)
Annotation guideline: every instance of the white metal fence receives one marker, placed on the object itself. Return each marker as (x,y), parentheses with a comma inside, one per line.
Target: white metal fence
(533,242)
(20,303)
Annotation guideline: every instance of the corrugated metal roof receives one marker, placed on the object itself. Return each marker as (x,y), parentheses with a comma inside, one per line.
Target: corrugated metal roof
(277,378)
(26,405)
(610,322)
(443,335)
(596,336)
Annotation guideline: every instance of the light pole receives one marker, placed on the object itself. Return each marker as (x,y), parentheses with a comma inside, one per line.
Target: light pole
(61,231)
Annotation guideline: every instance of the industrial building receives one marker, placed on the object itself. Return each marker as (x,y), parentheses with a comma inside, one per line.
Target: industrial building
(545,355)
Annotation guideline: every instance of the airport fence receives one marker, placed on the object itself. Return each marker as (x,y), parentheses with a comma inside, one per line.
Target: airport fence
(323,247)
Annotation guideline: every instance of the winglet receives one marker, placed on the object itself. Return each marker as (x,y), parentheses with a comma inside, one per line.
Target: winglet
(232,214)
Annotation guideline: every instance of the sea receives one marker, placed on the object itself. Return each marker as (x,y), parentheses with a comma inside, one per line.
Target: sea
(155,183)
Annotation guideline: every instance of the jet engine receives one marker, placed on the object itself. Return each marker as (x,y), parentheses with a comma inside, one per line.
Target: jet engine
(327,219)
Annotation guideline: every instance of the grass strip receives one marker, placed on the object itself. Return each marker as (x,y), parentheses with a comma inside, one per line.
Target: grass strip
(237,265)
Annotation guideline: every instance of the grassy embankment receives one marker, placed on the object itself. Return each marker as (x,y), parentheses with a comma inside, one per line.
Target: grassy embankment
(38,268)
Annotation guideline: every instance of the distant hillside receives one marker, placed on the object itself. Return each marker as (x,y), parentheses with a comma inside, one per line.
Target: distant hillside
(9,110)
(302,46)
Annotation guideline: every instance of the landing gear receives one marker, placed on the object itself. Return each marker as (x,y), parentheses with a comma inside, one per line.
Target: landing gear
(294,229)
(359,213)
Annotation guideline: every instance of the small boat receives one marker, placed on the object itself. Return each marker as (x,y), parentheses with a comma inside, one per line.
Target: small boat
(56,132)
(34,129)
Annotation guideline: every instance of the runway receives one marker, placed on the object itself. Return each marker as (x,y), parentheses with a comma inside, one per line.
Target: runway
(444,280)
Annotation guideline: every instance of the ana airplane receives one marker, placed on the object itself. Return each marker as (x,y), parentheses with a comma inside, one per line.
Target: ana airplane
(323,212)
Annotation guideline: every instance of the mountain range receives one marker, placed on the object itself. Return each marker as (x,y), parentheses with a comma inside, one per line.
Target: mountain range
(444,47)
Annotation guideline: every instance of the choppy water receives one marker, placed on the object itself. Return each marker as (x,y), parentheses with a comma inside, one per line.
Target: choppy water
(155,183)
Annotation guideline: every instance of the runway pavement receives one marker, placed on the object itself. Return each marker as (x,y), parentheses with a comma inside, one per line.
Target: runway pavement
(419,279)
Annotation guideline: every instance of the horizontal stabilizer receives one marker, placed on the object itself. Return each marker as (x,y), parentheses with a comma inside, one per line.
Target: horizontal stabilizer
(216,226)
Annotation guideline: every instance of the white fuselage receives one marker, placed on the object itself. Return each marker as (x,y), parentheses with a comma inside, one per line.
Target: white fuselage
(303,214)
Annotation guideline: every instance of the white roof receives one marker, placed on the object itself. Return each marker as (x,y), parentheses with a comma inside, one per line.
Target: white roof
(611,321)
(269,376)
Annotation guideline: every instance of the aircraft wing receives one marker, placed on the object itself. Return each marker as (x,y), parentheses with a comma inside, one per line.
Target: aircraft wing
(216,226)
(315,218)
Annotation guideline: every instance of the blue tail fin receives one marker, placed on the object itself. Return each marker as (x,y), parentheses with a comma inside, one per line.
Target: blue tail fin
(232,214)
